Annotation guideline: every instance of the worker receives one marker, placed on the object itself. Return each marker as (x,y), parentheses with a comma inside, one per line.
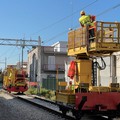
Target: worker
(71,87)
(85,20)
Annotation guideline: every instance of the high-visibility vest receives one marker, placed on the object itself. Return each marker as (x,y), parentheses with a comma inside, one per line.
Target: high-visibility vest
(85,20)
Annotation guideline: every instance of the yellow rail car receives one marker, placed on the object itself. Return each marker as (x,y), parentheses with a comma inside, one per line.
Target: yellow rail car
(83,95)
(14,80)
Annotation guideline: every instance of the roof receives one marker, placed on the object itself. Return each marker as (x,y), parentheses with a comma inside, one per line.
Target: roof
(59,42)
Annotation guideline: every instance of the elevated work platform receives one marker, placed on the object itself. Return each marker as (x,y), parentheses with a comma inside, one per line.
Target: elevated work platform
(106,40)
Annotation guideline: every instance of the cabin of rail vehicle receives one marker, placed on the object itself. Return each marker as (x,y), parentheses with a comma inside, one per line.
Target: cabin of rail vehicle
(14,80)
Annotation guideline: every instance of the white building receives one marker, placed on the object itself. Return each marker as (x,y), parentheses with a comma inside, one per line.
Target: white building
(51,58)
(110,74)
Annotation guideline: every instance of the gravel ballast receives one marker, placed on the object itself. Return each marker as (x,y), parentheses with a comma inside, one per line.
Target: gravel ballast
(14,109)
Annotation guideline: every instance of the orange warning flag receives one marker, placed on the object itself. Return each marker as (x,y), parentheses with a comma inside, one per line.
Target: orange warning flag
(71,71)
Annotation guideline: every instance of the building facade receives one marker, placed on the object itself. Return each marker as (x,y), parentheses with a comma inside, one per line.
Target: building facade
(49,59)
(111,74)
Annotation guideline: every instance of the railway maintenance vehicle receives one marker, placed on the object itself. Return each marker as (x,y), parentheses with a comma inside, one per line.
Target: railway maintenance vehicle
(14,80)
(85,94)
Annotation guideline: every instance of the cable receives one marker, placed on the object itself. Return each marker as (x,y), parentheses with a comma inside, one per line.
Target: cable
(55,36)
(108,10)
(51,25)
(103,66)
(114,7)
(10,55)
(58,35)
(8,50)
(5,53)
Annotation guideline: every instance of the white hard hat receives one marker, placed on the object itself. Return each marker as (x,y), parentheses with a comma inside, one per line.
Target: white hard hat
(82,12)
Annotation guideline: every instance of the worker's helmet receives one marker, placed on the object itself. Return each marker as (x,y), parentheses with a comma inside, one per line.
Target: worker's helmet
(82,12)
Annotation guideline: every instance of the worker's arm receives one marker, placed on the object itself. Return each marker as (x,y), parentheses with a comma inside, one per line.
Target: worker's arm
(82,25)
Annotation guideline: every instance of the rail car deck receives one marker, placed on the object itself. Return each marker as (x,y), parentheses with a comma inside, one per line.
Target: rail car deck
(105,41)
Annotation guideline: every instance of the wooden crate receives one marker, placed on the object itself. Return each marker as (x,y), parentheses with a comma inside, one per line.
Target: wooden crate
(99,89)
(65,98)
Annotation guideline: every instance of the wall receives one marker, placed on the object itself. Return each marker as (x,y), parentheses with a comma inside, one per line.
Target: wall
(32,63)
(46,54)
(108,75)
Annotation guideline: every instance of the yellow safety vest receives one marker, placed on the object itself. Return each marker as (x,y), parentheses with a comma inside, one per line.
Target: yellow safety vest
(85,20)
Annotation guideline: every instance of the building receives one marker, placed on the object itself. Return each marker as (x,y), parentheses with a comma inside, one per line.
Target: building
(23,65)
(45,61)
(111,74)
(13,66)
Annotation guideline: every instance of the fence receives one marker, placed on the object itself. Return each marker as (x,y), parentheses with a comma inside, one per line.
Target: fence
(50,83)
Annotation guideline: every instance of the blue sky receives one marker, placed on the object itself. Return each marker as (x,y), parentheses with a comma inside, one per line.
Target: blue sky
(49,19)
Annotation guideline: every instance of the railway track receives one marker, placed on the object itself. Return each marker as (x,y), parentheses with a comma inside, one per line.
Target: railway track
(89,117)
(44,105)
(41,103)
(51,107)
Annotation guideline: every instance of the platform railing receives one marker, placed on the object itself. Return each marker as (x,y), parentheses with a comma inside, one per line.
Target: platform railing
(77,38)
(105,32)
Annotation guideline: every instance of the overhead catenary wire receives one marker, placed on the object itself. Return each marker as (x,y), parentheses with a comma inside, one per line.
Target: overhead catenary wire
(6,52)
(64,18)
(109,9)
(59,34)
(4,60)
(14,42)
(105,11)
(12,52)
(55,36)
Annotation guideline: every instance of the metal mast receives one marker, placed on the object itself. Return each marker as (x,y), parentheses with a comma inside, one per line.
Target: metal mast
(19,42)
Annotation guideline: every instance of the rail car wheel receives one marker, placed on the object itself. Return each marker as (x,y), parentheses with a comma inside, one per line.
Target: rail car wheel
(110,118)
(64,112)
(115,114)
(63,109)
(78,114)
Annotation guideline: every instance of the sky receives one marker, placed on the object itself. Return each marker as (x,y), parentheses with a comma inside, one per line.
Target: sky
(49,19)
